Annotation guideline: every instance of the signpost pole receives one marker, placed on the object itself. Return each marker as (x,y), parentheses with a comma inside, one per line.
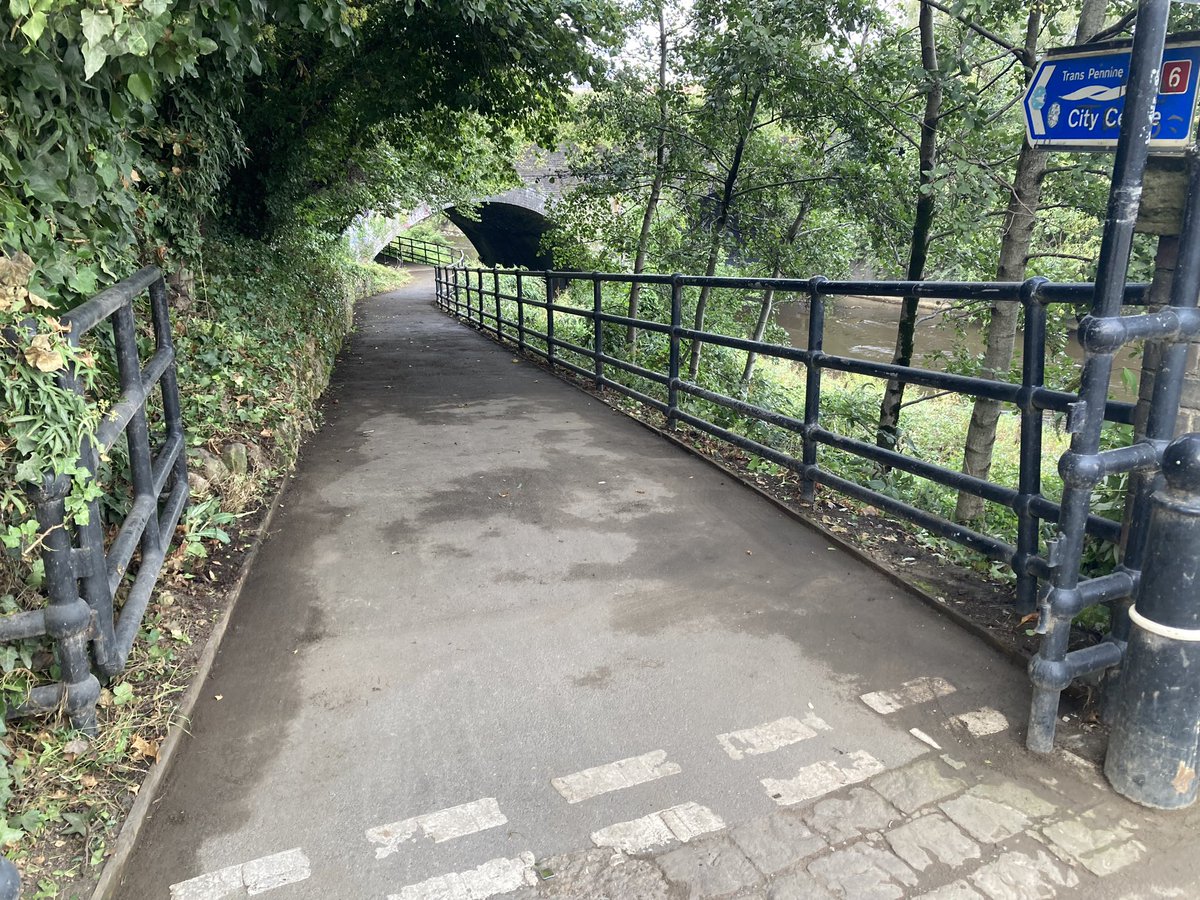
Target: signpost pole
(1049,670)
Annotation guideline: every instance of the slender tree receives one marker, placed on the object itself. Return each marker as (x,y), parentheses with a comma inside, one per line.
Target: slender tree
(1020,219)
(893,397)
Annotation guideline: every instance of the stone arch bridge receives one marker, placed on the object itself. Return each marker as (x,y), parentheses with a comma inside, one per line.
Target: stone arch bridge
(506,228)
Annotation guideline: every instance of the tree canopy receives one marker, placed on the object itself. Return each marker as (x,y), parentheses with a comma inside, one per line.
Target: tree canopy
(127,128)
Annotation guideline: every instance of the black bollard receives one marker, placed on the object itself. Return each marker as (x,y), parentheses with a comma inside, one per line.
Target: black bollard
(1155,742)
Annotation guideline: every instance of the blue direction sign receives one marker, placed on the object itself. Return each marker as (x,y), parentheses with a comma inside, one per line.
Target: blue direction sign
(1076,99)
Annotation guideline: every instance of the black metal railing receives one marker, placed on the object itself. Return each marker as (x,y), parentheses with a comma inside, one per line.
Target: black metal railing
(425,253)
(502,303)
(84,577)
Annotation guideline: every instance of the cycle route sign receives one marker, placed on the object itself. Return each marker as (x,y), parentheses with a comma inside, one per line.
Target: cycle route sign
(1076,99)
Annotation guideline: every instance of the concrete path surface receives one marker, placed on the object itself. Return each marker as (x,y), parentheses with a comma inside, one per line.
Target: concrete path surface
(504,639)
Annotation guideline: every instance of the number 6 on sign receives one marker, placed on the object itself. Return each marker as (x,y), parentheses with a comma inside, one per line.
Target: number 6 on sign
(1175,76)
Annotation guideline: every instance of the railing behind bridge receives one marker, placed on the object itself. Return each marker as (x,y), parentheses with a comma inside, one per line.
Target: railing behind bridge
(425,253)
(84,577)
(512,305)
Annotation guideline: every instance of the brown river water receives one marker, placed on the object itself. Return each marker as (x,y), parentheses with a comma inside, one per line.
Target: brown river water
(865,328)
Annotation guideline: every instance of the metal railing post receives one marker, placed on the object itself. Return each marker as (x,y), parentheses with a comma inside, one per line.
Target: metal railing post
(496,297)
(550,321)
(479,287)
(1049,670)
(598,334)
(1153,754)
(455,289)
(1029,478)
(673,357)
(520,313)
(68,617)
(812,386)
(137,434)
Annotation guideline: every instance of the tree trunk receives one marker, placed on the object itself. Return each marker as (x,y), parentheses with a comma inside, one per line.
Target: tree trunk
(768,300)
(660,164)
(714,251)
(1020,219)
(893,395)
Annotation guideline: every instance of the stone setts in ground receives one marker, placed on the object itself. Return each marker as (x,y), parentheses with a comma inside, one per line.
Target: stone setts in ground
(920,831)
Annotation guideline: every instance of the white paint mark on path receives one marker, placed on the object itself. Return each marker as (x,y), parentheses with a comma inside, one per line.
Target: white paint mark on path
(982,722)
(615,776)
(822,777)
(922,736)
(248,879)
(496,876)
(771,736)
(919,690)
(679,823)
(443,825)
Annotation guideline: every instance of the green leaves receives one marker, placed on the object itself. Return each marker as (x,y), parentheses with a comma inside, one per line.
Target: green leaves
(96,25)
(141,86)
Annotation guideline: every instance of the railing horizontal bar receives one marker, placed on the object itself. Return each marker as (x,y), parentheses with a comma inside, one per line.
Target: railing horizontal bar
(987,490)
(172,512)
(1060,401)
(635,369)
(1134,458)
(1002,391)
(1089,660)
(1114,586)
(22,625)
(45,698)
(86,316)
(578,370)
(1099,526)
(164,460)
(988,546)
(1046,292)
(121,551)
(575,348)
(741,406)
(532,349)
(763,349)
(635,394)
(132,400)
(982,543)
(143,585)
(738,440)
(573,311)
(641,324)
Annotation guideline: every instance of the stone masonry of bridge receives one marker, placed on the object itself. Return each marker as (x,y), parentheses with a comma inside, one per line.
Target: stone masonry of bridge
(504,641)
(506,229)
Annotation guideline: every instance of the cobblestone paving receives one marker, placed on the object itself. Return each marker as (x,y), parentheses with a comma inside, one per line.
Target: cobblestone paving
(928,830)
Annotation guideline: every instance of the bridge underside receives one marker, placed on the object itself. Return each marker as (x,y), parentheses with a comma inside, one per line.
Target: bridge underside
(505,234)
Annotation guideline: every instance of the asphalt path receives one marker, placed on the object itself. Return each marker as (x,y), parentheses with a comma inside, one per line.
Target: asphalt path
(482,581)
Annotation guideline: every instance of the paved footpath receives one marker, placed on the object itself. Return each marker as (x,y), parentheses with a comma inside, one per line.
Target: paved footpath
(505,641)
